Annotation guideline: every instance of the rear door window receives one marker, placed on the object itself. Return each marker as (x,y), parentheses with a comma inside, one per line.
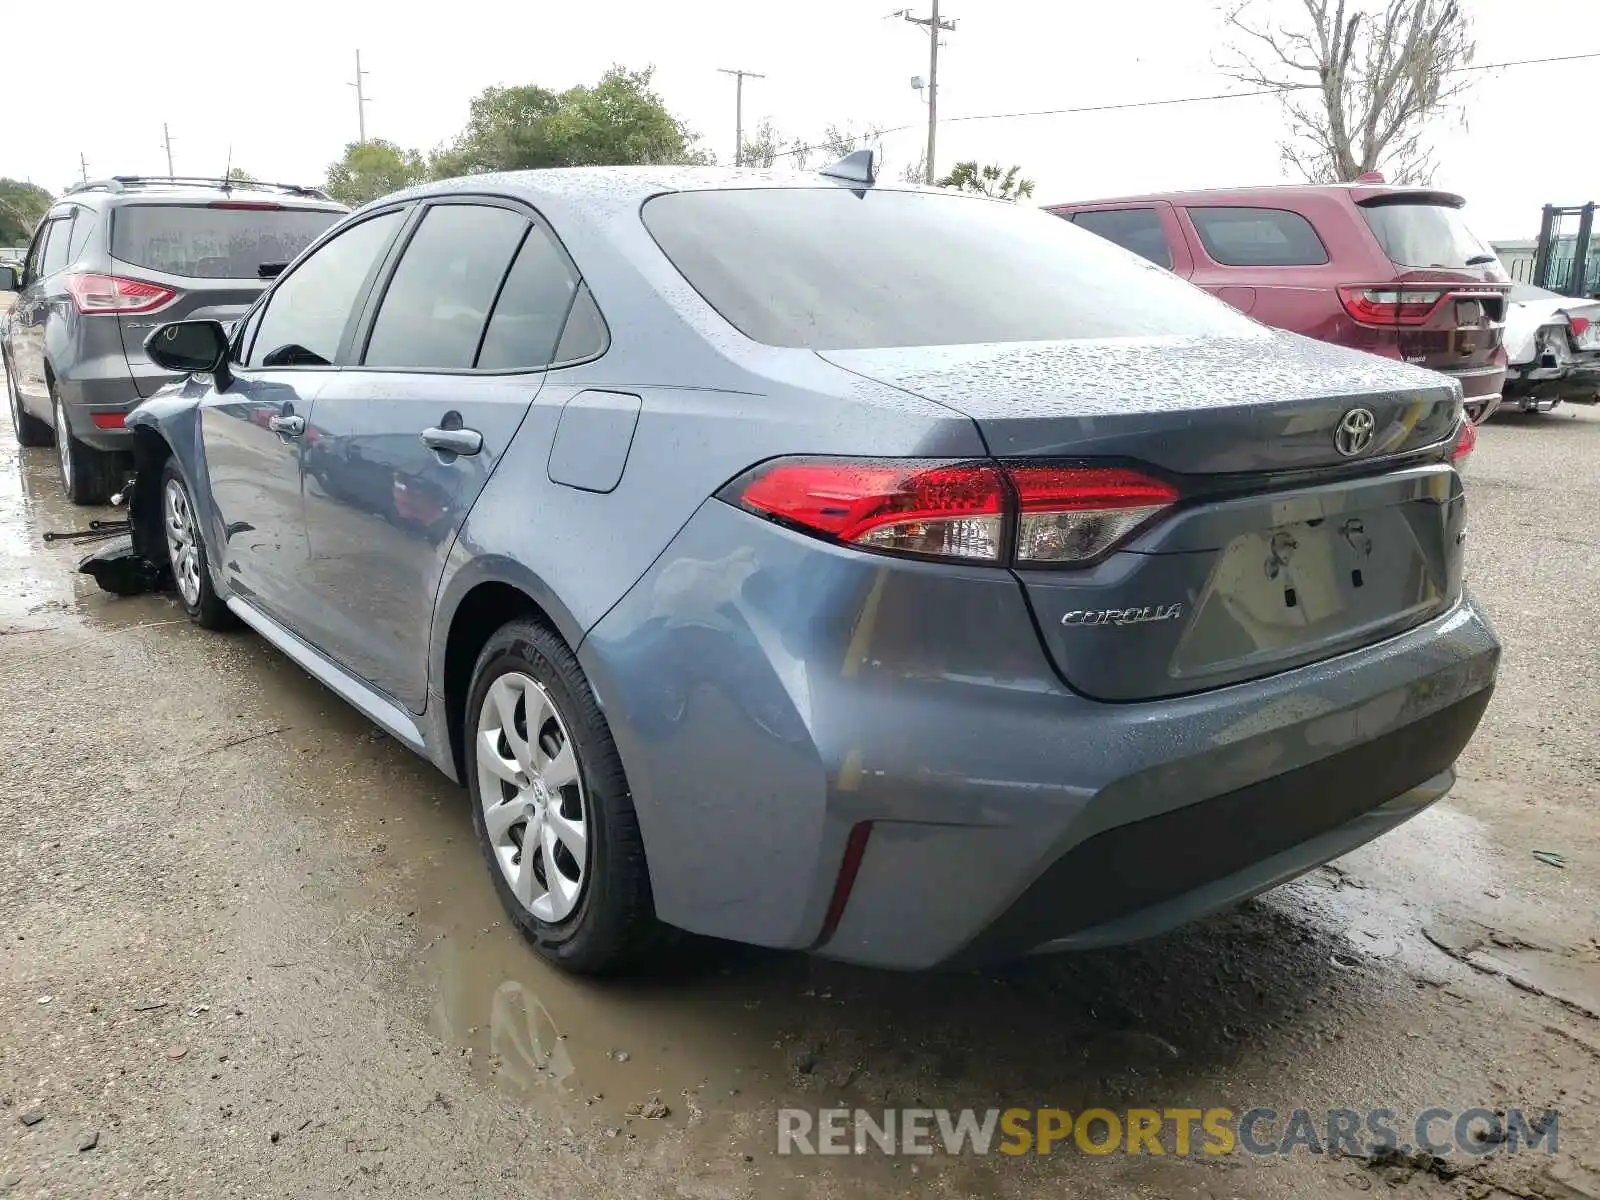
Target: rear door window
(1136,229)
(222,240)
(585,335)
(838,269)
(1416,234)
(1258,237)
(437,303)
(532,308)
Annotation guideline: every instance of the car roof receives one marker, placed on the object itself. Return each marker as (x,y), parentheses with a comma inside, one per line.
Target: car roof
(1288,194)
(628,186)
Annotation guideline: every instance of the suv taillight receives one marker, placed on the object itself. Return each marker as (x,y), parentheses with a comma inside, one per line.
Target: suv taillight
(94,294)
(1391,304)
(1466,441)
(1023,513)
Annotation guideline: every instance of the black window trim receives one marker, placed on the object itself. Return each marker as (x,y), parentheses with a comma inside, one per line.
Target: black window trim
(368,310)
(1205,248)
(337,229)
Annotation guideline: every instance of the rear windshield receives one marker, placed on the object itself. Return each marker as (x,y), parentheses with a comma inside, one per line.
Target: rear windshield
(838,269)
(1425,235)
(204,242)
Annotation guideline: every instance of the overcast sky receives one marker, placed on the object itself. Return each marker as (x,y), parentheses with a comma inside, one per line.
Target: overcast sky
(271,81)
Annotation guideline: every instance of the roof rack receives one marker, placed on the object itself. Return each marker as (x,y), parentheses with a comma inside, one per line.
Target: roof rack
(126,183)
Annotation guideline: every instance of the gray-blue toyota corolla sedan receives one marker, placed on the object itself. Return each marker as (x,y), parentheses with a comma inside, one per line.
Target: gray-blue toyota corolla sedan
(902,576)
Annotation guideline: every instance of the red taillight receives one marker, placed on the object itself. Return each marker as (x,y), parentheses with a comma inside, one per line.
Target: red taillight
(93,294)
(1580,325)
(962,510)
(1466,441)
(855,849)
(932,509)
(107,420)
(1390,305)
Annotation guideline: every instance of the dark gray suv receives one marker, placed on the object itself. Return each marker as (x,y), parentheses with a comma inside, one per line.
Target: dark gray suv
(112,260)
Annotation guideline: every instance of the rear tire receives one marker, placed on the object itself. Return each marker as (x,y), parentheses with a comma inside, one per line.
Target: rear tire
(600,916)
(30,430)
(88,476)
(186,554)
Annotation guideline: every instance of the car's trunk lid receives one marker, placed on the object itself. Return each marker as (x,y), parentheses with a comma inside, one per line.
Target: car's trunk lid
(1284,549)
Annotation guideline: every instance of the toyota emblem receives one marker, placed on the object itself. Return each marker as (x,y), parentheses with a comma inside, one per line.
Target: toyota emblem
(1353,434)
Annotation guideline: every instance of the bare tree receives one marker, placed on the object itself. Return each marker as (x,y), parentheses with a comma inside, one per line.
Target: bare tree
(1359,81)
(917,171)
(761,148)
(838,140)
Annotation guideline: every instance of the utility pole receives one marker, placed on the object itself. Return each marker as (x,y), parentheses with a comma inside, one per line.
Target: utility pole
(934,26)
(738,110)
(83,166)
(361,99)
(166,141)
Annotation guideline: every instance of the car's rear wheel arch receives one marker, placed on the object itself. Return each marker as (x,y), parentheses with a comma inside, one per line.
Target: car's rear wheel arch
(481,613)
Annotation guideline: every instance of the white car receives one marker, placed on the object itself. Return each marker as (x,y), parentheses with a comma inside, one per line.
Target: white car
(1552,349)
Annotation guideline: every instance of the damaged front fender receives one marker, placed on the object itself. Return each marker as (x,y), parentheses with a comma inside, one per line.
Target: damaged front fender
(164,425)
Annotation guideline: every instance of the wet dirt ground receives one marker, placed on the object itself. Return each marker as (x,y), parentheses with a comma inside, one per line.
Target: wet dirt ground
(247,946)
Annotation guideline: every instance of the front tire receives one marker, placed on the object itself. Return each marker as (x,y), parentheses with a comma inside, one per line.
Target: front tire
(29,429)
(551,806)
(88,476)
(186,554)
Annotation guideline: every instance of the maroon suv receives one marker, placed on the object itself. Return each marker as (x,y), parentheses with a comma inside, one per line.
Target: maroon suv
(1391,270)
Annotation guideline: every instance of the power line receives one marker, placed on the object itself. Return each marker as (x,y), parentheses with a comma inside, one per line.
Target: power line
(1173,100)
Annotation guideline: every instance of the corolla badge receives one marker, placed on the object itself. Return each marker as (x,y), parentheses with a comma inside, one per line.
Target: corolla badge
(1123,616)
(1354,432)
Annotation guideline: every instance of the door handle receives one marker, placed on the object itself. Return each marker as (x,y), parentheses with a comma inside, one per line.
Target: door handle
(453,441)
(290,426)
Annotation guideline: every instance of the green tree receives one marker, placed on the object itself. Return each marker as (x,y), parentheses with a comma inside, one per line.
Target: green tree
(371,169)
(621,119)
(1002,183)
(240,175)
(21,206)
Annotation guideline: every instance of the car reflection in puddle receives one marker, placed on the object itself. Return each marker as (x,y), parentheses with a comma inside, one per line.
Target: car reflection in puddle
(523,1038)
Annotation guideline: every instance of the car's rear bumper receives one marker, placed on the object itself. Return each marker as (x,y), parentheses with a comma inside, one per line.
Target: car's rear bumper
(776,699)
(90,392)
(1480,390)
(1143,877)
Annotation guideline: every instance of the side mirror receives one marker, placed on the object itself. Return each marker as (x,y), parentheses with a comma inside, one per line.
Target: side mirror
(189,346)
(10,279)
